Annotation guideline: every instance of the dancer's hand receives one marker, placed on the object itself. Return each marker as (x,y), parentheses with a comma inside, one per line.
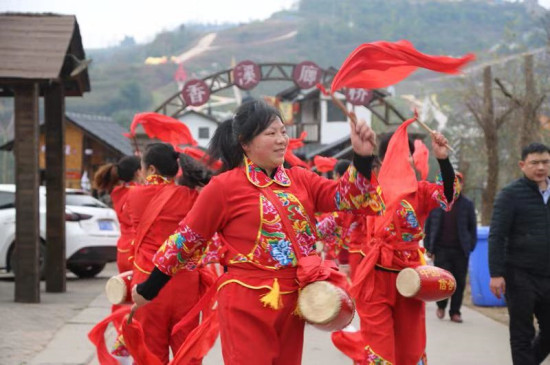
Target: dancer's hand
(137,298)
(363,138)
(438,146)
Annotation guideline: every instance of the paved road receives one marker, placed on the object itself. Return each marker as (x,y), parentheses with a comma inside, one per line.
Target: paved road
(54,331)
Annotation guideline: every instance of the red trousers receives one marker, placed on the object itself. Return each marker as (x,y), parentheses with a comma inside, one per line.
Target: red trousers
(253,334)
(159,316)
(393,327)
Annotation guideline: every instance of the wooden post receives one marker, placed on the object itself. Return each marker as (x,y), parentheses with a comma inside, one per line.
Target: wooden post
(55,189)
(27,275)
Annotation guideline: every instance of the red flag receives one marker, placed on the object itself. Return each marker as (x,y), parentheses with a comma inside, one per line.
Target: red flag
(200,156)
(164,128)
(380,64)
(396,178)
(295,143)
(324,164)
(420,158)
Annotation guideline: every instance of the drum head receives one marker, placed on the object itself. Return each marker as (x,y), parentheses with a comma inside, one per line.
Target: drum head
(319,302)
(408,282)
(116,290)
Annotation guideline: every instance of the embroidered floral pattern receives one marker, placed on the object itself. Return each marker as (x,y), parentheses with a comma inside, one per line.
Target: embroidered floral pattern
(157,180)
(258,177)
(374,359)
(356,192)
(439,194)
(183,250)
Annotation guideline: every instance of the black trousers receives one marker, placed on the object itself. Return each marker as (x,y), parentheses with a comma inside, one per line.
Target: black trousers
(528,295)
(456,262)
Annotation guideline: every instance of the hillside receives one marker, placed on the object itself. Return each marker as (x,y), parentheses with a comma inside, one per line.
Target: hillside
(324,31)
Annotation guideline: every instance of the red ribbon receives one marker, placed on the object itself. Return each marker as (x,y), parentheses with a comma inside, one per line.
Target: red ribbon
(313,268)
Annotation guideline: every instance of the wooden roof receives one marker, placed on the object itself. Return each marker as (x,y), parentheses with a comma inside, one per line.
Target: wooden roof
(41,47)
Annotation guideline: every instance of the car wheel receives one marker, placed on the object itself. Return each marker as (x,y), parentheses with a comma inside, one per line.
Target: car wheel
(85,271)
(41,260)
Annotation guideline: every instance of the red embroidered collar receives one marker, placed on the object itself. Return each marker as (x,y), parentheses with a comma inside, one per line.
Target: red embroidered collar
(257,176)
(158,180)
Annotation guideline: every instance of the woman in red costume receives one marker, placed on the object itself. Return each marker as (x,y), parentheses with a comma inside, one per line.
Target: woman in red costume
(155,209)
(117,180)
(392,326)
(264,215)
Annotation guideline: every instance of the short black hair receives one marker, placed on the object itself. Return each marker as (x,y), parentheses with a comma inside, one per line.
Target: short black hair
(341,166)
(534,148)
(385,141)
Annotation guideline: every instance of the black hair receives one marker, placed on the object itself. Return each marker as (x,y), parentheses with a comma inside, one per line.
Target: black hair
(385,141)
(250,119)
(163,157)
(193,173)
(341,166)
(534,148)
(127,167)
(108,175)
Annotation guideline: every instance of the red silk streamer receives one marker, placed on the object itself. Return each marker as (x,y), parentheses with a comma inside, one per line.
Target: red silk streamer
(199,341)
(294,143)
(420,158)
(324,164)
(135,343)
(350,343)
(97,336)
(397,177)
(162,127)
(381,64)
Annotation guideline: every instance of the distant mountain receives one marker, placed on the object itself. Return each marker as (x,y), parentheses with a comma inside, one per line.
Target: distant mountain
(323,31)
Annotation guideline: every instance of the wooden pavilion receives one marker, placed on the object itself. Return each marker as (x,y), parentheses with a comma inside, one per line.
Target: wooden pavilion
(41,55)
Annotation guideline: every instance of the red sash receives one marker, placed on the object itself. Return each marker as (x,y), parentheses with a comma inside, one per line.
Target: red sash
(153,210)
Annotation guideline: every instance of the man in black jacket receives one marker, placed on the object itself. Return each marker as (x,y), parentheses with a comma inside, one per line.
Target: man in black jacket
(519,255)
(450,237)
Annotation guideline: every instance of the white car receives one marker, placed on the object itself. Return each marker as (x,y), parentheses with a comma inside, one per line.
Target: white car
(92,231)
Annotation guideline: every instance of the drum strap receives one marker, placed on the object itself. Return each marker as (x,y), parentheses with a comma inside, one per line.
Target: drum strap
(310,268)
(289,230)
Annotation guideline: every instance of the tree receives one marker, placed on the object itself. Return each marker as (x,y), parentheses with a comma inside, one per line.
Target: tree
(529,104)
(490,124)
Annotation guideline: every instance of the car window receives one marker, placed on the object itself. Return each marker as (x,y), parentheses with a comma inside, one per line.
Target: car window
(82,200)
(7,200)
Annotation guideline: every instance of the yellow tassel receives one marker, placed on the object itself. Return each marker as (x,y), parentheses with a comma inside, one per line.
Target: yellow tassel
(273,298)
(422,258)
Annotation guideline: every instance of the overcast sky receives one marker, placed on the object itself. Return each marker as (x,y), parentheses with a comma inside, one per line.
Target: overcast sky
(105,23)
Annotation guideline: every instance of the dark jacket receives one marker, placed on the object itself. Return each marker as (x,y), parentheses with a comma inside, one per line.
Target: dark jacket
(467,226)
(520,230)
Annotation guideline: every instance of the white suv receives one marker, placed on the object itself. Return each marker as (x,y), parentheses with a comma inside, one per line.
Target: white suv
(92,231)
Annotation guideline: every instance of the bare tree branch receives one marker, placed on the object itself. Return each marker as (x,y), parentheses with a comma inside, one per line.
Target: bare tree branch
(506,92)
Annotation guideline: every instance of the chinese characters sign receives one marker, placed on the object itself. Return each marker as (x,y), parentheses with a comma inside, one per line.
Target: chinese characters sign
(195,92)
(246,75)
(306,74)
(359,96)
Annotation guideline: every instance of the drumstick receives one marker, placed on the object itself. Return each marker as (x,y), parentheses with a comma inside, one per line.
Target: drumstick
(431,131)
(351,116)
(132,312)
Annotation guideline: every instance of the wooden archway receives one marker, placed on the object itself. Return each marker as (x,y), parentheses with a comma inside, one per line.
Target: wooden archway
(175,105)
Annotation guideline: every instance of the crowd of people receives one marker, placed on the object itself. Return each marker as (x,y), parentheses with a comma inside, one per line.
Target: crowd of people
(272,229)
